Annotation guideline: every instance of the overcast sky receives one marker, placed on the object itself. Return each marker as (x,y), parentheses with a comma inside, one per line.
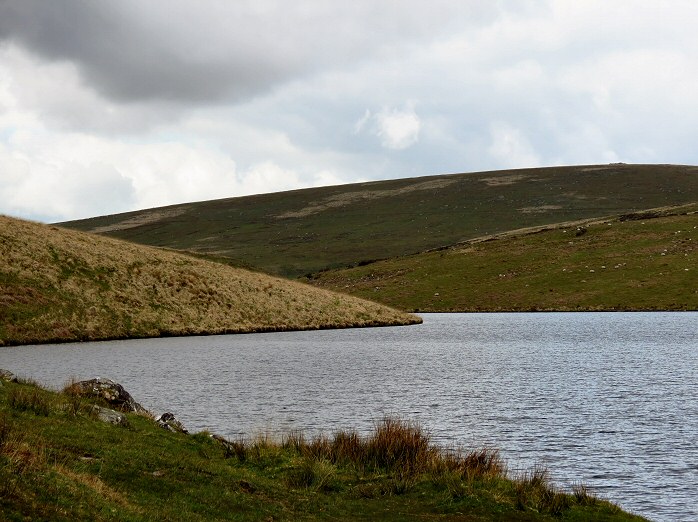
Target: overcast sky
(110,106)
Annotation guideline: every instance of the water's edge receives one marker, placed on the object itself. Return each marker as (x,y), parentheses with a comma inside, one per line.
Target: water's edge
(597,398)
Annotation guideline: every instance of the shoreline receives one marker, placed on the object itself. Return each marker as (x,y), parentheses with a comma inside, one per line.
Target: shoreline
(166,335)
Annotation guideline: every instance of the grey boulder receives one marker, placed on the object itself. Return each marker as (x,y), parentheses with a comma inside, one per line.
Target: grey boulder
(110,416)
(112,392)
(169,422)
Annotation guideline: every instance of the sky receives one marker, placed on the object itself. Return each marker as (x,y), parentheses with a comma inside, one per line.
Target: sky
(107,107)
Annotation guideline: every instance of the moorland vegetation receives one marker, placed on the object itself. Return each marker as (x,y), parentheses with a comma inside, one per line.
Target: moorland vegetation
(58,285)
(486,241)
(644,261)
(300,232)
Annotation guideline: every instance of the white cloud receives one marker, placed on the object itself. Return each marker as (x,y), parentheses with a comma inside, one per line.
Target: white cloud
(56,177)
(46,189)
(510,148)
(64,176)
(261,177)
(397,129)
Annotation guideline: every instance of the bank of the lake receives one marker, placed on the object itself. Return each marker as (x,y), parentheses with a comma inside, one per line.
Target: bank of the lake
(59,461)
(58,285)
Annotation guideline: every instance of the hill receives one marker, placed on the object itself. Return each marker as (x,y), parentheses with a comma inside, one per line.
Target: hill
(640,261)
(62,285)
(304,231)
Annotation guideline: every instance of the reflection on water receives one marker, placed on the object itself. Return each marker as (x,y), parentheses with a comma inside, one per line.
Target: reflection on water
(606,399)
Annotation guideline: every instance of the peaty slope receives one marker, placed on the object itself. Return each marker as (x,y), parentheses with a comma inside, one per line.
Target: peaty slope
(58,285)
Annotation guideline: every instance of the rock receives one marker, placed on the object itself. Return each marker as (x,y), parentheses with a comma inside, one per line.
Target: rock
(169,422)
(111,416)
(110,391)
(231,449)
(7,375)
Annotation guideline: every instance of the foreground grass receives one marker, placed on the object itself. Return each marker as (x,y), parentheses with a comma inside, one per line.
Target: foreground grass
(635,262)
(61,285)
(58,463)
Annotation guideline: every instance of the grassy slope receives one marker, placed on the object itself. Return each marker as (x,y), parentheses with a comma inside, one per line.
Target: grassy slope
(636,264)
(58,463)
(299,232)
(61,285)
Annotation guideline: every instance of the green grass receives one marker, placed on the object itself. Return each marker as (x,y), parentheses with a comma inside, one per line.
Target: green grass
(305,231)
(642,263)
(58,462)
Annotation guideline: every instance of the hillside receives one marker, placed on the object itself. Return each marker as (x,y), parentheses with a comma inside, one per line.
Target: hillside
(61,285)
(304,231)
(645,261)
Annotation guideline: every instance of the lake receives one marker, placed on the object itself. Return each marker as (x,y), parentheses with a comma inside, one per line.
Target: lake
(607,399)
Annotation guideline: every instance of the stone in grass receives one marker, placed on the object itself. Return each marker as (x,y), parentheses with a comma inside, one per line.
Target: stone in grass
(231,449)
(6,375)
(110,391)
(169,422)
(110,416)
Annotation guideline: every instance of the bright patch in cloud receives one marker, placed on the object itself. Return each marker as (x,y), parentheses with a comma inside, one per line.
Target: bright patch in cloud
(397,129)
(510,148)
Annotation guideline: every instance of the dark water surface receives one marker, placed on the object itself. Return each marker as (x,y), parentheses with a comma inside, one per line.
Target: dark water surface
(610,400)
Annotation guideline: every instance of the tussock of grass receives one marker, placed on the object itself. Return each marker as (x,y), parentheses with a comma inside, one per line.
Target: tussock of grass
(65,465)
(534,491)
(396,447)
(61,285)
(30,399)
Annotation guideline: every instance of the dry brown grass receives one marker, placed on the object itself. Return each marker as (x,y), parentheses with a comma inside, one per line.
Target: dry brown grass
(144,218)
(94,486)
(61,285)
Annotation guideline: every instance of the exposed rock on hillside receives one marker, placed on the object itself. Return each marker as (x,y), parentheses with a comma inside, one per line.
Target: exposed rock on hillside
(110,416)
(169,422)
(112,392)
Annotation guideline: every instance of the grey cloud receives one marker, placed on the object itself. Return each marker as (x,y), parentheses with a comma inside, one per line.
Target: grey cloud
(211,51)
(124,59)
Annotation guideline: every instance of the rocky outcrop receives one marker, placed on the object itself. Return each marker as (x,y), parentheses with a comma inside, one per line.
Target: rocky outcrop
(116,396)
(169,422)
(112,392)
(6,375)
